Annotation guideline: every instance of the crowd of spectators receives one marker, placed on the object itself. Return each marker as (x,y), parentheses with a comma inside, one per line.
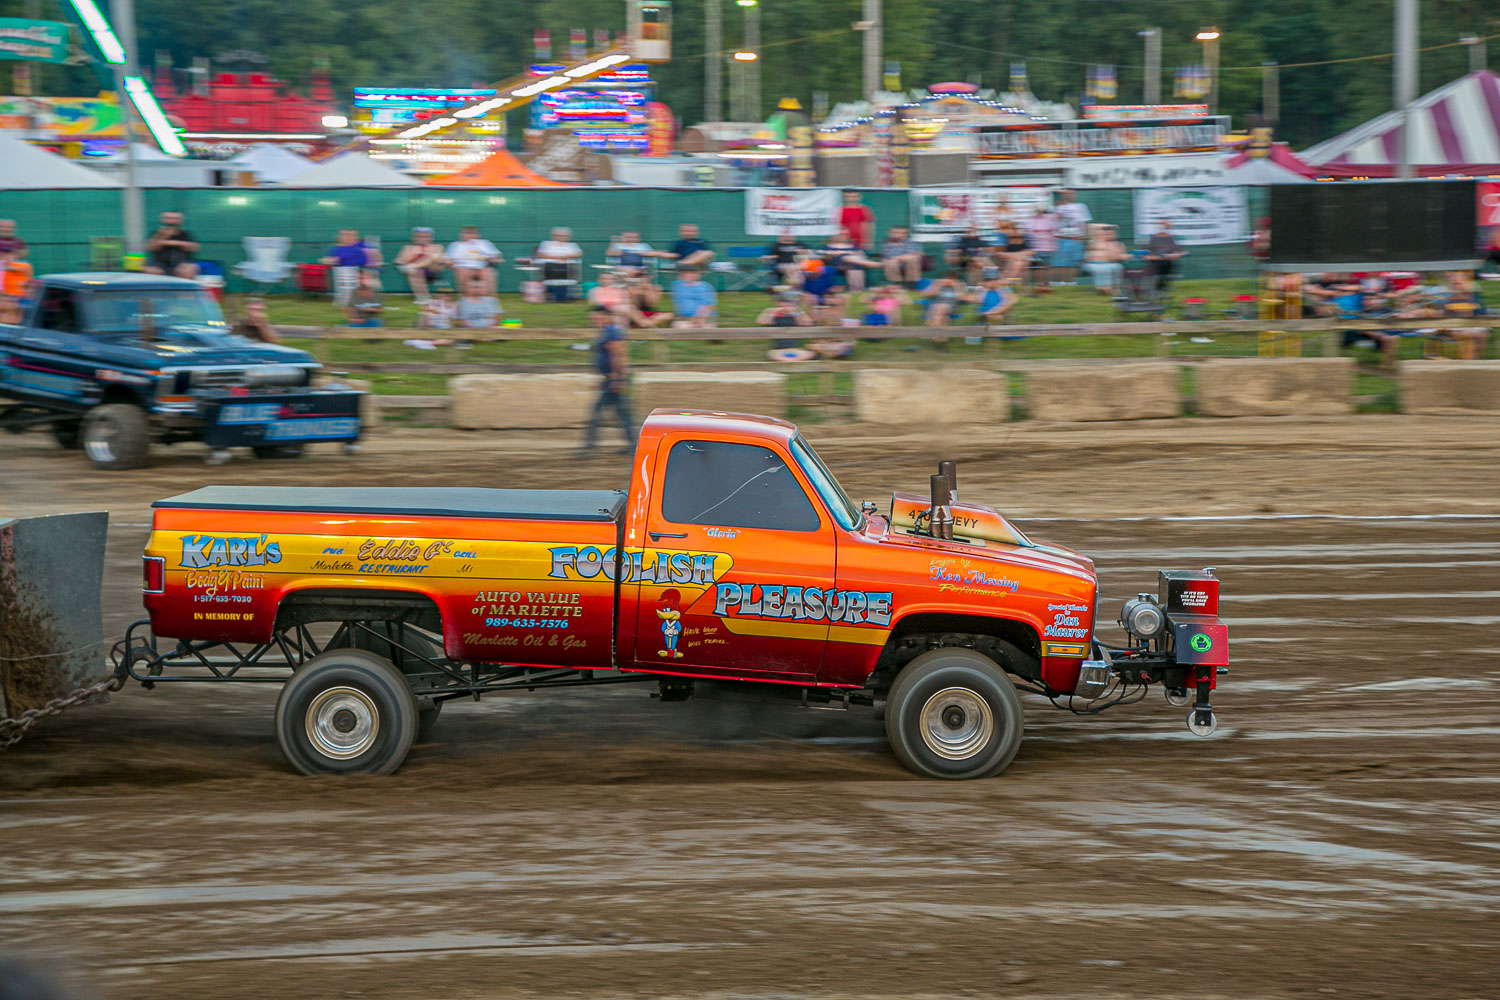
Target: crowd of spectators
(852,278)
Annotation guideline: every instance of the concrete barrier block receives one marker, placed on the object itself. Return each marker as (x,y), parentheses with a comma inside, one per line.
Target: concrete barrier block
(1098,391)
(736,392)
(1243,387)
(566,400)
(522,402)
(914,396)
(1449,386)
(369,410)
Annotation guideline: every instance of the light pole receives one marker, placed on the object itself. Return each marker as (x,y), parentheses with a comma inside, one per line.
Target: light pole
(873,62)
(1151,93)
(132,204)
(1406,79)
(751,66)
(1210,39)
(713,62)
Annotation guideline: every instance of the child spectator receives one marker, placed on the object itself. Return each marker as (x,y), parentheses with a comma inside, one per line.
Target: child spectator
(857,220)
(885,305)
(1105,259)
(693,300)
(438,312)
(477,310)
(364,306)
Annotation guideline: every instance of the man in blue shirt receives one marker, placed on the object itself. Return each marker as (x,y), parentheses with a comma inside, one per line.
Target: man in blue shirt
(349,258)
(612,359)
(693,300)
(690,250)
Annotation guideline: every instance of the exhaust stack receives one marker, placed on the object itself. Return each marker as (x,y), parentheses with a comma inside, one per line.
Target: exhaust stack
(941,520)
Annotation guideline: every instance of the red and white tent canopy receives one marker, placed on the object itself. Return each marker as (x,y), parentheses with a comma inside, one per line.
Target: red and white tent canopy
(1454,130)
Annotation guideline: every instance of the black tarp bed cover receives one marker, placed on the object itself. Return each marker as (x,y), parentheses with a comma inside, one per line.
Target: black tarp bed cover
(421,501)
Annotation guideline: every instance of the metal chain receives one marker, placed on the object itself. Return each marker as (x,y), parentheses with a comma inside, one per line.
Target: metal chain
(11,730)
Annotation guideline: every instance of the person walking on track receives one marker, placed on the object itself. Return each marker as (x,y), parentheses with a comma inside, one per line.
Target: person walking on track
(613,360)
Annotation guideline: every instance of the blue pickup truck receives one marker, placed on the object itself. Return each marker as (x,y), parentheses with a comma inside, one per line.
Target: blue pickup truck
(113,362)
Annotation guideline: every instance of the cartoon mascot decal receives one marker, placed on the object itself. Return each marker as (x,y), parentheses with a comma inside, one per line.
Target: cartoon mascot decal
(671,624)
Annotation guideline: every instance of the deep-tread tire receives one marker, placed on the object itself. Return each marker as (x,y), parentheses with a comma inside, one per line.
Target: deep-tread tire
(387,695)
(427,718)
(66,432)
(965,670)
(116,436)
(273,451)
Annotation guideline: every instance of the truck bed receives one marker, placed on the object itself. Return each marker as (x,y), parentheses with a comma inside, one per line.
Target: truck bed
(538,505)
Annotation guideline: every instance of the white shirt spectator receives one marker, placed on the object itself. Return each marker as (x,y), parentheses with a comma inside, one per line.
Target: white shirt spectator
(438,314)
(471,255)
(558,250)
(1073,219)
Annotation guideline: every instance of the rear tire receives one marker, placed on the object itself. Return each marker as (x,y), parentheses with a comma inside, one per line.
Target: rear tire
(116,436)
(952,713)
(346,711)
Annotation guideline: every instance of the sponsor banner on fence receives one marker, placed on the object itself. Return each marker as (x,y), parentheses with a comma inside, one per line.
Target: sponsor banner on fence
(938,213)
(1164,170)
(1487,193)
(804,211)
(1199,215)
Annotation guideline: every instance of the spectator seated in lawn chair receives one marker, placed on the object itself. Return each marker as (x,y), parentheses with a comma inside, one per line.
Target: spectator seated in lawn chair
(785,258)
(350,258)
(901,257)
(1139,295)
(560,259)
(847,260)
(473,259)
(1105,258)
(422,262)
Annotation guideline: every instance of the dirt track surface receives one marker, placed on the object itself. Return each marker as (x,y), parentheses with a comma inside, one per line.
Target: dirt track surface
(1337,836)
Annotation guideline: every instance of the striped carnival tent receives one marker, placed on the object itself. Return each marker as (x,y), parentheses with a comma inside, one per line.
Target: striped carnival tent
(1455,130)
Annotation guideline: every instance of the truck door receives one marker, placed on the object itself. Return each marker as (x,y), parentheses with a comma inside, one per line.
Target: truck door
(737,565)
(44,362)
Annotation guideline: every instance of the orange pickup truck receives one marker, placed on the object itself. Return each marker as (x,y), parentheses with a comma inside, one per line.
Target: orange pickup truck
(733,555)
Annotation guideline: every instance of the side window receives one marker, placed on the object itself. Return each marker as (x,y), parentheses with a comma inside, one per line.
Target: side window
(735,485)
(59,311)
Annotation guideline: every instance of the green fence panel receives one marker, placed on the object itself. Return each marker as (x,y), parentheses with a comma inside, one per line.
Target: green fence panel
(60,224)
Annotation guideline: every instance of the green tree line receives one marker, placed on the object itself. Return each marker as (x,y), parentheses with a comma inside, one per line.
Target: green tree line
(1334,53)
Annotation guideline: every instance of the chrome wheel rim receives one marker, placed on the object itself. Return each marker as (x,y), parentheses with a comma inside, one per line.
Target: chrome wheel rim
(957,723)
(342,722)
(100,440)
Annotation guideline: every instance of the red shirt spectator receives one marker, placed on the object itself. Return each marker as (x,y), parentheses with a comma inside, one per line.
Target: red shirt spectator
(857,219)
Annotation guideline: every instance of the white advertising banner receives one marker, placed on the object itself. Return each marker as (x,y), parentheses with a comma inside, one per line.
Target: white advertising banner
(941,213)
(1156,170)
(804,211)
(1199,216)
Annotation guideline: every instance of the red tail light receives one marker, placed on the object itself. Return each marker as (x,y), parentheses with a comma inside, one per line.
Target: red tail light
(153,574)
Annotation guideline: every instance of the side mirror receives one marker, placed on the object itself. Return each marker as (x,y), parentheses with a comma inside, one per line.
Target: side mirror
(869,507)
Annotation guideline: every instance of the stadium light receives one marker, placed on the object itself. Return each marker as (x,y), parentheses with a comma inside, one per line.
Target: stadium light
(151,114)
(104,35)
(745,56)
(1207,35)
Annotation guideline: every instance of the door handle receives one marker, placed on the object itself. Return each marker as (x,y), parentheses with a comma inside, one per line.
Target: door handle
(666,534)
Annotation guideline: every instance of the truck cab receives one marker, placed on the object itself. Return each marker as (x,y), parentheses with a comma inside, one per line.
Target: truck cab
(110,362)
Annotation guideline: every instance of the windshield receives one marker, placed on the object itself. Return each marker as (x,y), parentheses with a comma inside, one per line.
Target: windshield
(123,312)
(839,505)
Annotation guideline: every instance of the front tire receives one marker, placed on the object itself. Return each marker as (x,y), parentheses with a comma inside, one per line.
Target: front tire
(346,711)
(952,713)
(116,436)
